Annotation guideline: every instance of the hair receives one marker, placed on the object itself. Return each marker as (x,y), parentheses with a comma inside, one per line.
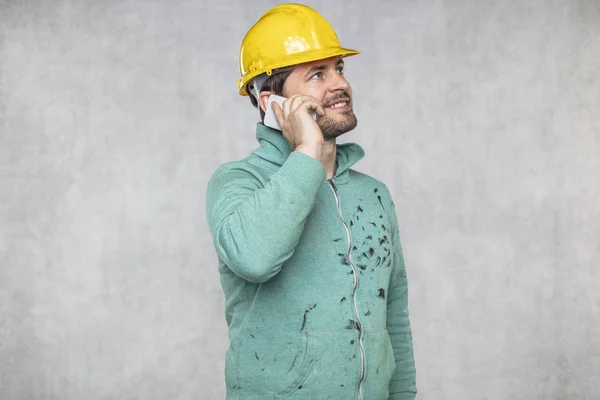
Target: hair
(274,84)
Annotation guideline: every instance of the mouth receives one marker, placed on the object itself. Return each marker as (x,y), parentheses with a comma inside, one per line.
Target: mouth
(339,105)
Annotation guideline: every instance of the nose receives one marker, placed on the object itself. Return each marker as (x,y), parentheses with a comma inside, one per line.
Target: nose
(338,82)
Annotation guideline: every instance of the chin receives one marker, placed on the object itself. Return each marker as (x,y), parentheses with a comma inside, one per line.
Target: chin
(335,127)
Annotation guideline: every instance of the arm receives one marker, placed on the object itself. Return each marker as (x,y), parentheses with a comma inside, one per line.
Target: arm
(403,384)
(256,229)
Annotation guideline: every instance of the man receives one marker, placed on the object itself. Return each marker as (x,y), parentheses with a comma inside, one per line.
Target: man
(309,254)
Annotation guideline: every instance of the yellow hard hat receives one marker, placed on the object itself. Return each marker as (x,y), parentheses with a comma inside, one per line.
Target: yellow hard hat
(286,35)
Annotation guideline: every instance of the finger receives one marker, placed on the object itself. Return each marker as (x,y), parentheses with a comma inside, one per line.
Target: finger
(287,104)
(295,102)
(317,107)
(299,99)
(278,111)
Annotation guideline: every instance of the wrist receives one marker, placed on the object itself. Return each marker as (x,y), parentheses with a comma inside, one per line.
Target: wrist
(314,150)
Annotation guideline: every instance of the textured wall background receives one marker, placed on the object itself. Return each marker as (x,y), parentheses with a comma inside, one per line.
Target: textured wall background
(483,117)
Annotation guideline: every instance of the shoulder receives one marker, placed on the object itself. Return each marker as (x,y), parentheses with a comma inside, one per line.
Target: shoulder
(233,179)
(240,169)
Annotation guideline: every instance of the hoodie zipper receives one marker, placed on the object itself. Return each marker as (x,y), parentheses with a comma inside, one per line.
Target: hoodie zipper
(355,274)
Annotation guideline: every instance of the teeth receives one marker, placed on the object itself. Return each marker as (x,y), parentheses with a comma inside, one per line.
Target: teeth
(337,105)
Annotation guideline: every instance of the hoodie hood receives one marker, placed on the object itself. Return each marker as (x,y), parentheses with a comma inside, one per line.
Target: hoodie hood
(275,149)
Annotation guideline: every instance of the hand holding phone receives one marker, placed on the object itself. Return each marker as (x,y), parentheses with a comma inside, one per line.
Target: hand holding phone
(270,119)
(299,129)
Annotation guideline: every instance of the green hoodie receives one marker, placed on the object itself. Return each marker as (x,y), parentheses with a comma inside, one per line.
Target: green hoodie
(313,276)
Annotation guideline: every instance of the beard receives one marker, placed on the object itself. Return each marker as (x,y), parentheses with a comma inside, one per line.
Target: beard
(335,127)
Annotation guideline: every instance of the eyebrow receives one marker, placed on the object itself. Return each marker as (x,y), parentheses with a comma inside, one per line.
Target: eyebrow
(322,67)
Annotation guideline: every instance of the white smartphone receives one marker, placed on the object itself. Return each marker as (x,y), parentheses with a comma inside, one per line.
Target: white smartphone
(270,119)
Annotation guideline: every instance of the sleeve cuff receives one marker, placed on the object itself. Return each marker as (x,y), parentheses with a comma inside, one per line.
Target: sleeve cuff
(305,172)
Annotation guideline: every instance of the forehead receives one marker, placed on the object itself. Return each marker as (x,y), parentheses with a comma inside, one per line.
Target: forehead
(332,62)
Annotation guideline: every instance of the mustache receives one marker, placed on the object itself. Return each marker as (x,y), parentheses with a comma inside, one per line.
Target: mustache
(344,96)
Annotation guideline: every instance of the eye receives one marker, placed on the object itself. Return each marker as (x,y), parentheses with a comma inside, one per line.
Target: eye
(340,70)
(318,75)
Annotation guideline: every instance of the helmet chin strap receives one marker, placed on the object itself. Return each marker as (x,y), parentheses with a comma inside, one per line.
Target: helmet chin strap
(256,87)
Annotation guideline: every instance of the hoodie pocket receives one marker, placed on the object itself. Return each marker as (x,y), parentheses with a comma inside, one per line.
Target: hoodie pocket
(330,368)
(307,362)
(271,365)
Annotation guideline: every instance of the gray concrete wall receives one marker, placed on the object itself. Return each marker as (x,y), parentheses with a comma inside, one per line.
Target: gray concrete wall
(483,118)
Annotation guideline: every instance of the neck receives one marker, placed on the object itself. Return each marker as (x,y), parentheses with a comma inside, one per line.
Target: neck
(328,158)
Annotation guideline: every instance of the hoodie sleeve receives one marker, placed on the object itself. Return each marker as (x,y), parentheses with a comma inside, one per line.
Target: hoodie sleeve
(256,227)
(403,384)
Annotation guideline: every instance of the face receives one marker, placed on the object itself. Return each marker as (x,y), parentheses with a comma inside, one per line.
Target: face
(324,80)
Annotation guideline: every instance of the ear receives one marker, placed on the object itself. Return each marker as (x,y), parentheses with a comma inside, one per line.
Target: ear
(264,99)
